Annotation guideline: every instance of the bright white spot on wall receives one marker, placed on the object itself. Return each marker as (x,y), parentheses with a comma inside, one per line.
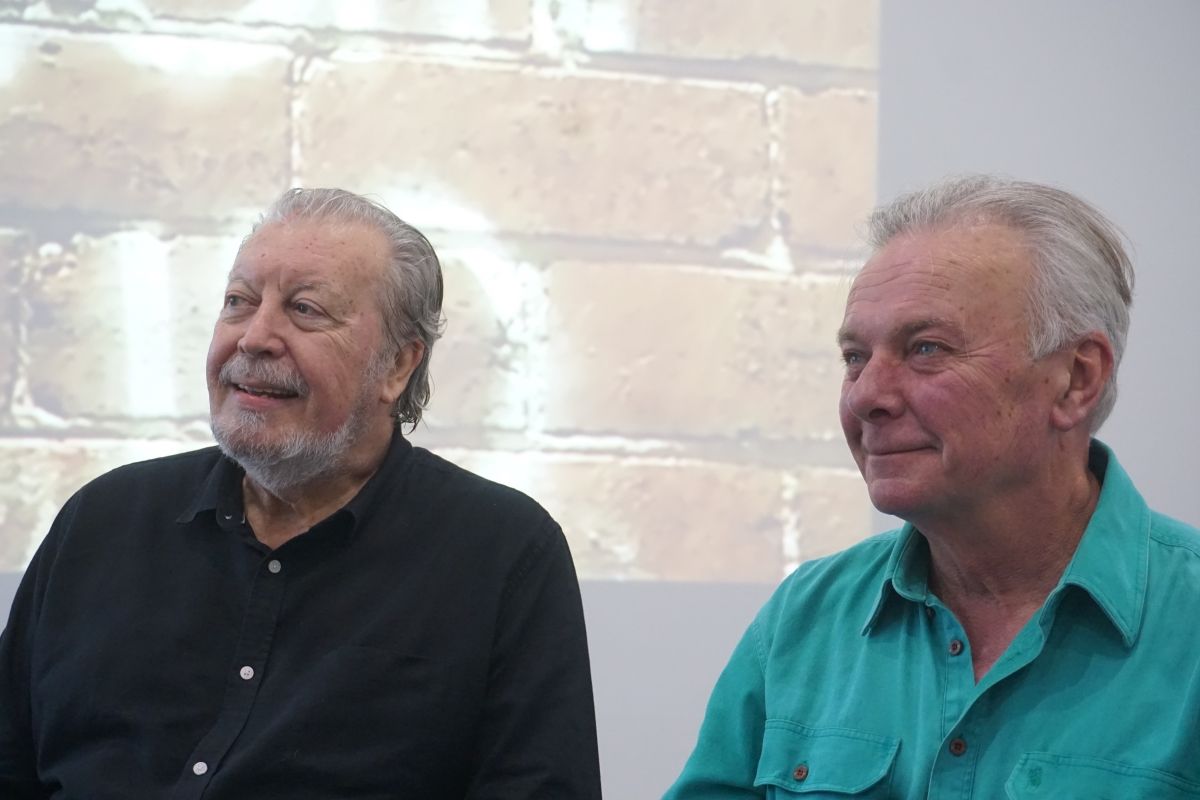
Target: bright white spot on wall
(504,282)
(146,306)
(521,471)
(514,290)
(15,45)
(175,55)
(776,257)
(428,205)
(611,25)
(546,36)
(467,19)
(346,14)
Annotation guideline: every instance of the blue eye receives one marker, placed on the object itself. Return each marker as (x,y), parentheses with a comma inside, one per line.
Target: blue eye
(304,309)
(926,348)
(232,301)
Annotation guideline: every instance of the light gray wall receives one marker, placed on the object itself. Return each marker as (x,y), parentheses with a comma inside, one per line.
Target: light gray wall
(657,649)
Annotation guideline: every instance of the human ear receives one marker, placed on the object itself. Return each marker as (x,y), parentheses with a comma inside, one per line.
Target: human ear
(407,359)
(1089,365)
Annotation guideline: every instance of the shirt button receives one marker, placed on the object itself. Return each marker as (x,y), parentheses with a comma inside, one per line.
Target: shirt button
(929,611)
(199,768)
(956,647)
(274,566)
(958,746)
(800,772)
(246,672)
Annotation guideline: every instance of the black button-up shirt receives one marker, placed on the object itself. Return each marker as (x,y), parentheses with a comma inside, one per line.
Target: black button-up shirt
(426,641)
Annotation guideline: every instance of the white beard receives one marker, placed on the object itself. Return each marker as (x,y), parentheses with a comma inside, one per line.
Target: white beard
(302,457)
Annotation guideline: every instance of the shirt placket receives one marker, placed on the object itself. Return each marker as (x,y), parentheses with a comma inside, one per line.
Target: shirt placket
(241,688)
(953,774)
(953,768)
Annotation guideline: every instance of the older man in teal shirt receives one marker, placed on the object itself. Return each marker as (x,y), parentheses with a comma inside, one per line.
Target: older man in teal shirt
(1028,632)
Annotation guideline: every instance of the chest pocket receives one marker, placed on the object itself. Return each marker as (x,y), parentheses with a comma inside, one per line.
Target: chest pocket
(798,760)
(1043,775)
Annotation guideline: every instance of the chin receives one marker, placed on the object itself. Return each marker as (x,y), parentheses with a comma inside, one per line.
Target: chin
(240,430)
(280,461)
(894,500)
(282,465)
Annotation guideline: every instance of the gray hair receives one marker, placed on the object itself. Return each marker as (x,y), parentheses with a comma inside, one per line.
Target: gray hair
(411,300)
(1082,279)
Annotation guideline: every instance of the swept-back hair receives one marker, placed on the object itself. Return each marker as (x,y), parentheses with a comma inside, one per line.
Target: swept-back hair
(411,299)
(1082,276)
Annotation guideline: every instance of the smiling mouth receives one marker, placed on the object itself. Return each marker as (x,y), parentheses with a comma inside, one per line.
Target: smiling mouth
(264,391)
(897,451)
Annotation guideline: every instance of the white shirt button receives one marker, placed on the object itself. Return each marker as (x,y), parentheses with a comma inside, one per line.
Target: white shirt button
(246,672)
(199,768)
(274,566)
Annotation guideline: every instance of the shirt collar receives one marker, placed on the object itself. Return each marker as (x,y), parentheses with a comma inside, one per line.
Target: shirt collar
(221,491)
(1111,563)
(906,574)
(368,498)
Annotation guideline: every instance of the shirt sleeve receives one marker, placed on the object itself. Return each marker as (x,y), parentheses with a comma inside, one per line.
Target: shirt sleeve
(537,738)
(725,761)
(18,756)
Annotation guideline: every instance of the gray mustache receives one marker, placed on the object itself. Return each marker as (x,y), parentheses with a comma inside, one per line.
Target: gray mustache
(243,368)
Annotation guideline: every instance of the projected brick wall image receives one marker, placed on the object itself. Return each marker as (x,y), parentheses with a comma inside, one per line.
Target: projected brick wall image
(646,212)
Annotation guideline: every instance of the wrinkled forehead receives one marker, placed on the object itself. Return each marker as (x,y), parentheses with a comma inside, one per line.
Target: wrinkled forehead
(979,259)
(976,281)
(314,248)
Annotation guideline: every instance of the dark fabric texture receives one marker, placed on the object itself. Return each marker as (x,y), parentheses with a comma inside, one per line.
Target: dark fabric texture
(426,641)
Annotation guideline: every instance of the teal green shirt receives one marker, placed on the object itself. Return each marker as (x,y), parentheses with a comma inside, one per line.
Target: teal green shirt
(854,681)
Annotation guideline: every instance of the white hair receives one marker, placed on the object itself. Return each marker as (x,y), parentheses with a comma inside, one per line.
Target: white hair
(1082,277)
(411,300)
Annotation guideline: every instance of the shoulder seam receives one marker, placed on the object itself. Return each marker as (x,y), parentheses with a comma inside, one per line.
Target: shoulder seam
(1172,541)
(535,550)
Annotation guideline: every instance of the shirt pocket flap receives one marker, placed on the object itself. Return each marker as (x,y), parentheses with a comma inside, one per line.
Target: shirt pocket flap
(803,759)
(1045,775)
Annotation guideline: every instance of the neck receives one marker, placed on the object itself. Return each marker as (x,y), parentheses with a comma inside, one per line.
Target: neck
(1017,550)
(994,570)
(278,515)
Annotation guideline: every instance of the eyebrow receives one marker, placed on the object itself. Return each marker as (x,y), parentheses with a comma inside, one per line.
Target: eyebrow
(309,285)
(905,331)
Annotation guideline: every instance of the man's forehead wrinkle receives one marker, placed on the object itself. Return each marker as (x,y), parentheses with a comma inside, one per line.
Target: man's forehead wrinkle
(312,284)
(909,275)
(903,329)
(924,324)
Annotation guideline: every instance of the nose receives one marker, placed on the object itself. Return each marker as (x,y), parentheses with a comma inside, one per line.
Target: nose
(261,335)
(874,395)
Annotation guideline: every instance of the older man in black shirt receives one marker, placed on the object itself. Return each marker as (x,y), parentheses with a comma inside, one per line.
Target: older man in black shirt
(316,609)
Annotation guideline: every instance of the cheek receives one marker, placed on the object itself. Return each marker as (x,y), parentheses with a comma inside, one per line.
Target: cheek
(222,347)
(219,351)
(850,423)
(335,383)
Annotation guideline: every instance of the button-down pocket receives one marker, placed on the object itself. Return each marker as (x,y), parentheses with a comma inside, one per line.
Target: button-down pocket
(1044,775)
(820,762)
